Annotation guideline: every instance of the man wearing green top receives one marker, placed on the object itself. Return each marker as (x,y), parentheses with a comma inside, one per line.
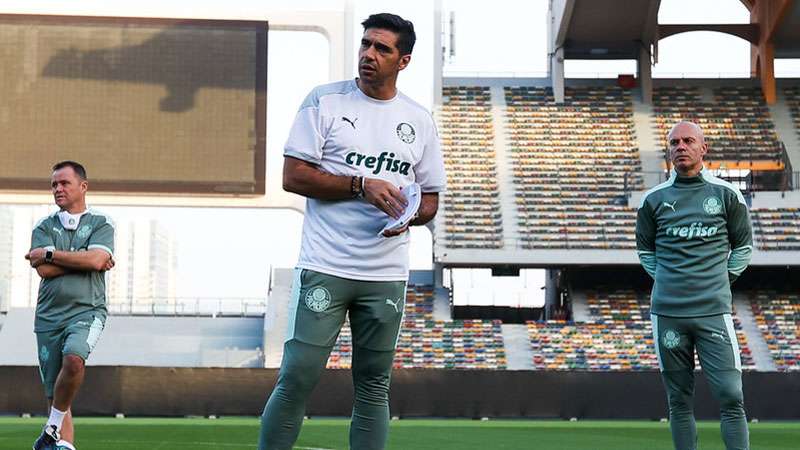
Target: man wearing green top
(70,249)
(694,237)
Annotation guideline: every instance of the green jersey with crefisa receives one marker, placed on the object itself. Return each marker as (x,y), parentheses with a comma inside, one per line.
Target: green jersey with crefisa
(76,294)
(685,230)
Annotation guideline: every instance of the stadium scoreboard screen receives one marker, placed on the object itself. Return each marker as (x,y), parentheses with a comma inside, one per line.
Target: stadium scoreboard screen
(147,105)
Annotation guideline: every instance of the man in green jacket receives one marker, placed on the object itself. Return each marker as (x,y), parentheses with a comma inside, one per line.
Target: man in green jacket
(694,237)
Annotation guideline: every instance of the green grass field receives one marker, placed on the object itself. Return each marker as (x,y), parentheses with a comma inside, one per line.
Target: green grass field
(241,433)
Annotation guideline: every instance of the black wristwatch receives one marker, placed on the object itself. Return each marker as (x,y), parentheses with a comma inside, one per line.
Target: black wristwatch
(48,256)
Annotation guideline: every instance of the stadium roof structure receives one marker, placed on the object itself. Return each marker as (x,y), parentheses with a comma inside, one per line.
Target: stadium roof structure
(786,36)
(778,36)
(781,19)
(594,29)
(629,29)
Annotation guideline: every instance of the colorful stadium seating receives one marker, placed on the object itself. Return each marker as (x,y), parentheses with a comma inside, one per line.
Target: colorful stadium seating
(792,95)
(471,205)
(572,165)
(619,336)
(777,229)
(737,123)
(778,318)
(428,343)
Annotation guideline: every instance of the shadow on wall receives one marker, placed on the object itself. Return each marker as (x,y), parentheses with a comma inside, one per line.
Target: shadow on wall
(183,59)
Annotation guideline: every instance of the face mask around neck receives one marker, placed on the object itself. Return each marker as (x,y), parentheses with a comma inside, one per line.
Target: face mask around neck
(70,221)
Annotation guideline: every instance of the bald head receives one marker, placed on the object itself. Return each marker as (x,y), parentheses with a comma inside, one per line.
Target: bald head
(687,147)
(691,127)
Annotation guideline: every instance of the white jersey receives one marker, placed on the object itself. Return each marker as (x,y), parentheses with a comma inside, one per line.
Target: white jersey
(346,132)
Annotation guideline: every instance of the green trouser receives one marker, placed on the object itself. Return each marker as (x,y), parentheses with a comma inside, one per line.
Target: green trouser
(714,337)
(317,310)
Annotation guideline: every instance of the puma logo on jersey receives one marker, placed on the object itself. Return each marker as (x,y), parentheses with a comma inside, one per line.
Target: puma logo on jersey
(719,335)
(351,122)
(695,230)
(384,161)
(395,304)
(57,230)
(672,206)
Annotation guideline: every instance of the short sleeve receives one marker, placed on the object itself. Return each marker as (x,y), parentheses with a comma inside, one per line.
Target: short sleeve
(429,171)
(103,237)
(307,137)
(41,237)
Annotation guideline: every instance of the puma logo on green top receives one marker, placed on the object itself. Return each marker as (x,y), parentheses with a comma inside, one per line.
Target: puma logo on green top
(380,163)
(695,230)
(671,206)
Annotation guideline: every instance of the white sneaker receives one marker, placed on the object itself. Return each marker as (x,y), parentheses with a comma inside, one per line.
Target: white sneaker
(64,445)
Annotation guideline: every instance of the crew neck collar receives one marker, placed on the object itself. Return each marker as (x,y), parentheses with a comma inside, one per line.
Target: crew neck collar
(372,99)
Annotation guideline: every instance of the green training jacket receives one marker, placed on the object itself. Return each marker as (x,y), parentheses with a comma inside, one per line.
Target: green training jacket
(694,237)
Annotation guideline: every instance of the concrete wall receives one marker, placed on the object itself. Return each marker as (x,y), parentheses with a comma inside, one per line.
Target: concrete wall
(146,391)
(150,341)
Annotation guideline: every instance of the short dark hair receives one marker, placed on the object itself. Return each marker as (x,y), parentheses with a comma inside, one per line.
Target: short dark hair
(392,22)
(80,171)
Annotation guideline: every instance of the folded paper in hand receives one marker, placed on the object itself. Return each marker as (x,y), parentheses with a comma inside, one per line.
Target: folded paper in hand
(413,194)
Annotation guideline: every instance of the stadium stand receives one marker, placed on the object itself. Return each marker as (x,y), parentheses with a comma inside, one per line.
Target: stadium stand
(778,318)
(618,337)
(572,165)
(792,95)
(560,345)
(471,204)
(428,343)
(737,124)
(777,228)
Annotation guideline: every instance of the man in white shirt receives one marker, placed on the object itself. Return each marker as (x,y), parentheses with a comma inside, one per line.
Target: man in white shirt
(353,146)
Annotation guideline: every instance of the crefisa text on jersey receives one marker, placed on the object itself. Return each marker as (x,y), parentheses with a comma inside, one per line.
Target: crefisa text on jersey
(377,164)
(695,230)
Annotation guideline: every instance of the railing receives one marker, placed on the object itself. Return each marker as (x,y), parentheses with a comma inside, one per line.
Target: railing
(790,177)
(570,241)
(209,307)
(793,181)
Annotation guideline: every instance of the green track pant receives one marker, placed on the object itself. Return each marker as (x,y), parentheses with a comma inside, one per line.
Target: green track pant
(317,310)
(714,338)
